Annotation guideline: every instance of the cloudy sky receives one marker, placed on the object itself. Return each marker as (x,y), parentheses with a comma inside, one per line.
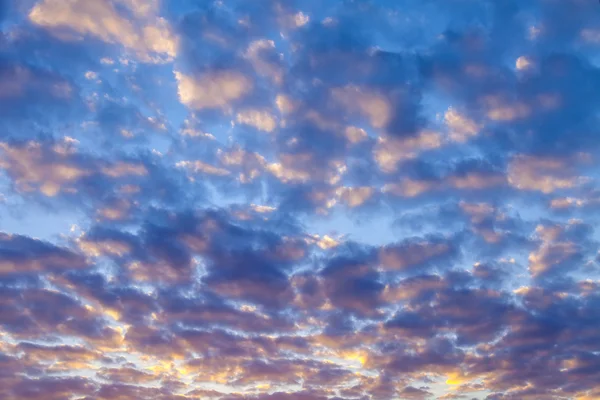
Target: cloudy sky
(299,199)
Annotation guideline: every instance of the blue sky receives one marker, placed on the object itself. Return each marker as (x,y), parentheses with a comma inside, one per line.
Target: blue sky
(299,200)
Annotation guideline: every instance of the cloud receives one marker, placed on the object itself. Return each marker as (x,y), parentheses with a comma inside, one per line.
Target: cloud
(559,247)
(372,105)
(299,200)
(21,254)
(390,152)
(415,253)
(214,90)
(261,120)
(543,174)
(147,36)
(461,128)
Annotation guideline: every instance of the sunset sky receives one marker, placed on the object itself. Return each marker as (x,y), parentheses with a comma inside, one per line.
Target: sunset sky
(299,199)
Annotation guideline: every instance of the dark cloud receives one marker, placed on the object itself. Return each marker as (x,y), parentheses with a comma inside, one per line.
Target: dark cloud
(352,283)
(22,254)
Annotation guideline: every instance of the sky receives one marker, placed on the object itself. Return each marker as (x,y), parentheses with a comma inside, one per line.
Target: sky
(299,200)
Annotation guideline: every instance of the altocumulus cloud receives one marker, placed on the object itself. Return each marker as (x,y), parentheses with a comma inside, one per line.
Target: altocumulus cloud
(299,200)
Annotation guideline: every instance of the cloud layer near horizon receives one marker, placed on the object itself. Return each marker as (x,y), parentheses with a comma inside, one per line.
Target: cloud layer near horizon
(299,200)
